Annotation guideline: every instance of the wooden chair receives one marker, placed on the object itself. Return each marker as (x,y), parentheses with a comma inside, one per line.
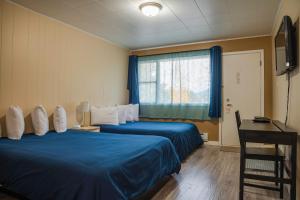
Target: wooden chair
(265,154)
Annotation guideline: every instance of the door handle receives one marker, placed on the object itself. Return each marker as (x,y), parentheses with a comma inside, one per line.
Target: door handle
(229,104)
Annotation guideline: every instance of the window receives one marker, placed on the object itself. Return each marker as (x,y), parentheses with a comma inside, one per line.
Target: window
(174,80)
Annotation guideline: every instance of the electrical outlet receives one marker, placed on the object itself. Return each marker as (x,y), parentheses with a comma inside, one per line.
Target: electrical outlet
(205,137)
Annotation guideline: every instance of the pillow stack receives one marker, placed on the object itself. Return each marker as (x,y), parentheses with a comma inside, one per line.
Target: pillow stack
(121,114)
(132,112)
(104,115)
(114,115)
(135,111)
(128,112)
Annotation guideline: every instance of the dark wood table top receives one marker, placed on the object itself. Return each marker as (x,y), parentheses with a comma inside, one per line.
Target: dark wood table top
(250,125)
(274,127)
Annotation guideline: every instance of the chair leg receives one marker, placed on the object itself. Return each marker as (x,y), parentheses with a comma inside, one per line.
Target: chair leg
(242,171)
(276,171)
(281,177)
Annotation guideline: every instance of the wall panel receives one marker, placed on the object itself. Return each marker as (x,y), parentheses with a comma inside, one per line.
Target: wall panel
(44,61)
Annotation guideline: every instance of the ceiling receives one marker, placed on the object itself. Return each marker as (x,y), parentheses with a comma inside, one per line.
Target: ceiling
(180,21)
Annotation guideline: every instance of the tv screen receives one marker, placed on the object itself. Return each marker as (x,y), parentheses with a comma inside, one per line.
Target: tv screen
(285,47)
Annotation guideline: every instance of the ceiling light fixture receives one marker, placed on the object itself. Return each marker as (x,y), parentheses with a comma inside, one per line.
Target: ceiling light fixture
(150,9)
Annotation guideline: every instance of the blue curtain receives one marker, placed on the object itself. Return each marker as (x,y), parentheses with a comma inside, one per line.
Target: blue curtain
(133,80)
(215,107)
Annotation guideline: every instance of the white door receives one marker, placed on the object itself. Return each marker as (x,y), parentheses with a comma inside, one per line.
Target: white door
(242,90)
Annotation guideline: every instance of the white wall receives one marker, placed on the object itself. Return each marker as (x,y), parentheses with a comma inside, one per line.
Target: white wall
(291,8)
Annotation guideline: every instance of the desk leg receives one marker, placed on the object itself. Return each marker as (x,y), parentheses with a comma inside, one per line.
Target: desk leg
(294,169)
(276,164)
(281,177)
(242,171)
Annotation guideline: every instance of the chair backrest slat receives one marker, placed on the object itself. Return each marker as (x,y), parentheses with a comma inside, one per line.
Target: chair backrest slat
(238,119)
(238,124)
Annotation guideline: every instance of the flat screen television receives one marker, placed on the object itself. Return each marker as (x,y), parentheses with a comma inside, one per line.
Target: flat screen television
(285,47)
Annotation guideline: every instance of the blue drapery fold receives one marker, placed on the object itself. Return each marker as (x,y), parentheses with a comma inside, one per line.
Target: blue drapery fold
(215,106)
(133,80)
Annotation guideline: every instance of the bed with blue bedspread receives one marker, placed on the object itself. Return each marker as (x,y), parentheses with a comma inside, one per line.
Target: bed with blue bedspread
(184,136)
(83,165)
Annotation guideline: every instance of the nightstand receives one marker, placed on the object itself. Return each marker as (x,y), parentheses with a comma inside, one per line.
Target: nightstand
(88,128)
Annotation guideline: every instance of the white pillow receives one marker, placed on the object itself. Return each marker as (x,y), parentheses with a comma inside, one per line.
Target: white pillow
(60,119)
(40,121)
(122,114)
(135,111)
(124,107)
(129,113)
(15,124)
(105,115)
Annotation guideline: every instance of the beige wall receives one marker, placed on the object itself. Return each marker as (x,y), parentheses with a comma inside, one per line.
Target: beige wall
(43,61)
(291,8)
(265,43)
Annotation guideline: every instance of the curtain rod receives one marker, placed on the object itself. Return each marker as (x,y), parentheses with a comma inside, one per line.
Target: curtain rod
(155,54)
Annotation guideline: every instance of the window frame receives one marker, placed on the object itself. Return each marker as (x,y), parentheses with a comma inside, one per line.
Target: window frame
(156,82)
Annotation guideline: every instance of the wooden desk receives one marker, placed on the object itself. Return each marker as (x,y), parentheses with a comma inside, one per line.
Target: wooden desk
(273,133)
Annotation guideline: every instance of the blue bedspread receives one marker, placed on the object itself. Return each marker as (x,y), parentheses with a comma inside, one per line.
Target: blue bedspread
(185,136)
(87,166)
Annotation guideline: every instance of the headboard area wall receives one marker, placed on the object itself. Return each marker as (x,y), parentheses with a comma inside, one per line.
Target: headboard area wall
(44,61)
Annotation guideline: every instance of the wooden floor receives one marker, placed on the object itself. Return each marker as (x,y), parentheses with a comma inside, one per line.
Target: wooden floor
(208,174)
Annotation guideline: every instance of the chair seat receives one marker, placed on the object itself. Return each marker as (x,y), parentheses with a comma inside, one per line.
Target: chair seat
(263,153)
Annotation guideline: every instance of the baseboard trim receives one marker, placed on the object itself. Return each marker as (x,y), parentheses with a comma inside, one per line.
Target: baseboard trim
(213,143)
